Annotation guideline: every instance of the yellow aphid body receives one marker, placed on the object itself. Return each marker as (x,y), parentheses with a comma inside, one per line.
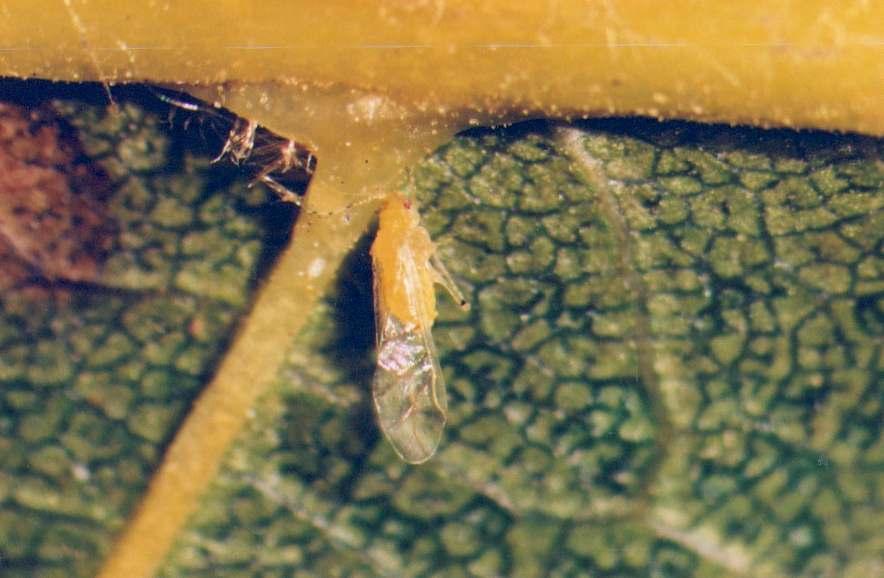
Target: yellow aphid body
(400,256)
(408,389)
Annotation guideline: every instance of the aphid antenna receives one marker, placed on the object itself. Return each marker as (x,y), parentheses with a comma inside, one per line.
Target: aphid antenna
(440,271)
(112,103)
(176,102)
(371,199)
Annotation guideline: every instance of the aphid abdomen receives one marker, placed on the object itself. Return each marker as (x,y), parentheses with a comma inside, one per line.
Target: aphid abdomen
(408,389)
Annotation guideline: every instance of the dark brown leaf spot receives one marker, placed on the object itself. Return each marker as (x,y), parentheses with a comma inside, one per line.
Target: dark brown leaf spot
(53,222)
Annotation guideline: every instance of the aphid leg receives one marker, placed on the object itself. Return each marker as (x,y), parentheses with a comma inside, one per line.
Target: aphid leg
(286,160)
(443,277)
(285,195)
(240,141)
(288,157)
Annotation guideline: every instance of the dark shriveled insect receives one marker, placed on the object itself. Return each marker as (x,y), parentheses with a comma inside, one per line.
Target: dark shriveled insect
(280,163)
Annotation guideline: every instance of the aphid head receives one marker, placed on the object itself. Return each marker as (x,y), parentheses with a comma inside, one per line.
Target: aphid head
(399,212)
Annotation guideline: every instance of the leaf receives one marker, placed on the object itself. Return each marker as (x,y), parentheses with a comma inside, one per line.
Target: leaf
(671,367)
(97,376)
(641,389)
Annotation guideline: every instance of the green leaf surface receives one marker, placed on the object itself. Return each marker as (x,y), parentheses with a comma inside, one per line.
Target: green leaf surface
(95,377)
(672,367)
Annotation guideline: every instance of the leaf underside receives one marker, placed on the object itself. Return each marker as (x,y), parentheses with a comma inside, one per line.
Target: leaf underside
(671,367)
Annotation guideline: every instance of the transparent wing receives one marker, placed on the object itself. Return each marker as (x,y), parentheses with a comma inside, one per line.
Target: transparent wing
(408,389)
